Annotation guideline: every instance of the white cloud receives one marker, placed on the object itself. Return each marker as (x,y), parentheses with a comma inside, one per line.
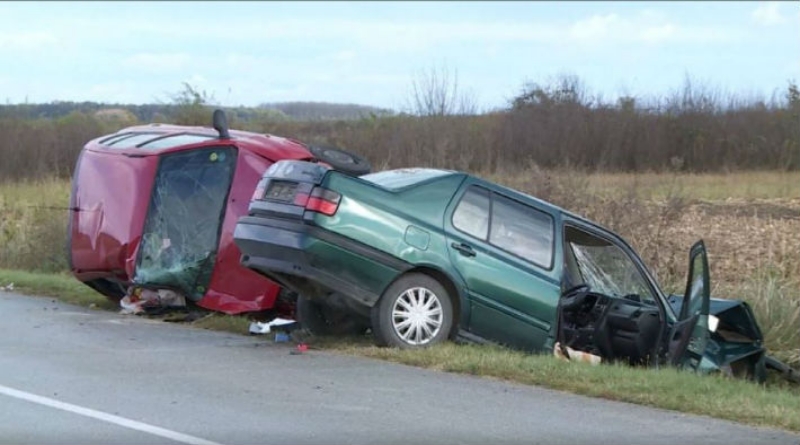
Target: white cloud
(659,33)
(598,27)
(157,62)
(289,56)
(358,37)
(768,14)
(793,69)
(109,92)
(381,79)
(343,56)
(27,40)
(284,94)
(648,27)
(197,80)
(244,62)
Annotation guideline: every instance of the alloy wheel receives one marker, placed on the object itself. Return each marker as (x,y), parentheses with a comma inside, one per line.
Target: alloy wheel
(417,316)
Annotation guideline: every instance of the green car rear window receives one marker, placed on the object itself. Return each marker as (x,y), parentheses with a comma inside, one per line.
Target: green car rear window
(401,178)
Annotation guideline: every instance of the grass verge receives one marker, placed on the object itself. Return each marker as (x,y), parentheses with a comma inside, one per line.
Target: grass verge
(773,405)
(222,322)
(63,286)
(712,395)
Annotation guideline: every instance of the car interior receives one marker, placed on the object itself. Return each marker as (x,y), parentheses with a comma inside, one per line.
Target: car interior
(605,310)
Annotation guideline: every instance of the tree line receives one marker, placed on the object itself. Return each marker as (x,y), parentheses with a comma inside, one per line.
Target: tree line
(556,125)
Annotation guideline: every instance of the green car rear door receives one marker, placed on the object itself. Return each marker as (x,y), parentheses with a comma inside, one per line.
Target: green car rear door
(505,250)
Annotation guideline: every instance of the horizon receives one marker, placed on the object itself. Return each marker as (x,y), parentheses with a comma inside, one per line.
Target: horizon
(366,53)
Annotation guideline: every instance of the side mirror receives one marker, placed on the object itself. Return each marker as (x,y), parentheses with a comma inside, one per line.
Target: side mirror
(220,122)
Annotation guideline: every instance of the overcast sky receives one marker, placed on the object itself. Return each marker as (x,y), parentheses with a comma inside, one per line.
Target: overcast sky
(359,52)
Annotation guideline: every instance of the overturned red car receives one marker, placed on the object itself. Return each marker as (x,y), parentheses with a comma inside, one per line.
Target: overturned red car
(155,206)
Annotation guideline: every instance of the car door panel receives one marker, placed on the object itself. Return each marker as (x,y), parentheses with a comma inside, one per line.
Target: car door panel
(512,301)
(689,336)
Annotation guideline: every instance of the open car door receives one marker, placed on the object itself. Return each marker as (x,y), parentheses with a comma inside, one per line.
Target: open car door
(689,336)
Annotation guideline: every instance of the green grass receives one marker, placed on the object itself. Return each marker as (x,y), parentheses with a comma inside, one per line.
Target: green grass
(63,286)
(69,290)
(776,305)
(222,322)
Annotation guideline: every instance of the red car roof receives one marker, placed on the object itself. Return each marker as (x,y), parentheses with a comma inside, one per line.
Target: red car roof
(167,137)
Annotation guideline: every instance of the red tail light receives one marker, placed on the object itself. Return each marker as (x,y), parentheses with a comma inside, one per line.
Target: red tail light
(259,192)
(320,200)
(301,199)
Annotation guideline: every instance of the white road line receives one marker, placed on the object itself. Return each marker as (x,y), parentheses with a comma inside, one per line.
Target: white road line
(110,418)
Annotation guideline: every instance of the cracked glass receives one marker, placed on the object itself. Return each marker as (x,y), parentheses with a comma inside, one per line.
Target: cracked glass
(181,233)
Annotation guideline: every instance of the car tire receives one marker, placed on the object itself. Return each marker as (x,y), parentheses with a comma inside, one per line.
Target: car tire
(323,320)
(341,160)
(416,311)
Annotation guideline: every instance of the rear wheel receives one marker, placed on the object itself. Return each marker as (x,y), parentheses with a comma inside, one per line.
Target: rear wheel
(323,320)
(416,311)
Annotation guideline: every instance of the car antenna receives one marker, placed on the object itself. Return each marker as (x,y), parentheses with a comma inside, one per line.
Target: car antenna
(220,122)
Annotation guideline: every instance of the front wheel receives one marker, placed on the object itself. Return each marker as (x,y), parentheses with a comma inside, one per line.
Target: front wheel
(415,311)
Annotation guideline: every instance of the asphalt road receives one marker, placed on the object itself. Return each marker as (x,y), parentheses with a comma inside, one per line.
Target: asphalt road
(74,375)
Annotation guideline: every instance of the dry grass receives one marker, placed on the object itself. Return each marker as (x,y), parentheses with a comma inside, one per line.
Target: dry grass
(33,220)
(749,221)
(749,185)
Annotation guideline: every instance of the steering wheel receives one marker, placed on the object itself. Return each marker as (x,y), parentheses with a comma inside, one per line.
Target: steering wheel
(574,297)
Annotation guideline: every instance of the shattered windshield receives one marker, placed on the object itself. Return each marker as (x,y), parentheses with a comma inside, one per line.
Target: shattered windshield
(181,232)
(607,268)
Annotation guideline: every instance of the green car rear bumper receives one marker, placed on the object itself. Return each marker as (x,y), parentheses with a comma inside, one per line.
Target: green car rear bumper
(302,256)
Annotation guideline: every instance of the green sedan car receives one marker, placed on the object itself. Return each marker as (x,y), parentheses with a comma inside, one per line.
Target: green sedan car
(425,255)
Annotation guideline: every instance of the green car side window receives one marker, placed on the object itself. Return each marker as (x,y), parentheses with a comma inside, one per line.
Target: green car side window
(472,214)
(522,230)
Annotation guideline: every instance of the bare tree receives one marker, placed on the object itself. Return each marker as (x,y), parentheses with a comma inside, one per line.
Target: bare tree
(565,88)
(435,92)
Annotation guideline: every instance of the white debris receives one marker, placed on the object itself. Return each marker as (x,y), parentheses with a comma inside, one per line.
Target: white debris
(130,307)
(171,298)
(139,299)
(578,356)
(260,328)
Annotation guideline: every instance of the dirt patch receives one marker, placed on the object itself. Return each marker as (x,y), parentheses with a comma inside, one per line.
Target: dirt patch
(762,209)
(744,236)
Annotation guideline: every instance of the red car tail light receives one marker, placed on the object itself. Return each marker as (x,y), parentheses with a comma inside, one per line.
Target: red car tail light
(322,201)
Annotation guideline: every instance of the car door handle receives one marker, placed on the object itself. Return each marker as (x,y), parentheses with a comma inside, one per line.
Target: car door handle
(464,249)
